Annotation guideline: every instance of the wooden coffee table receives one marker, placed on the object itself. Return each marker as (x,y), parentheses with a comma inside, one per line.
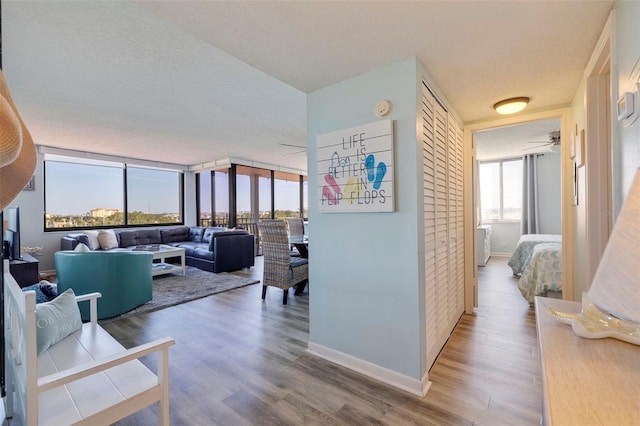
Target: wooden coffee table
(162,252)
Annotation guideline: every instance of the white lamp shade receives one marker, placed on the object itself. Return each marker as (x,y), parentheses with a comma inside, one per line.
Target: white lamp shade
(616,286)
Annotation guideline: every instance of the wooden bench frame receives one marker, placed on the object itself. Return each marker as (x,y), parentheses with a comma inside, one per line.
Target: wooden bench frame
(104,372)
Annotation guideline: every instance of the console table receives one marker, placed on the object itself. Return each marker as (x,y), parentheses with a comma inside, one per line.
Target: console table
(585,381)
(25,270)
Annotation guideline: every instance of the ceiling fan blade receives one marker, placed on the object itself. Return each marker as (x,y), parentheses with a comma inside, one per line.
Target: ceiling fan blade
(295,146)
(535,147)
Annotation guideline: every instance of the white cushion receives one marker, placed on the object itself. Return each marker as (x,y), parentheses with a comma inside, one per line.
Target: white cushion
(81,247)
(108,239)
(94,243)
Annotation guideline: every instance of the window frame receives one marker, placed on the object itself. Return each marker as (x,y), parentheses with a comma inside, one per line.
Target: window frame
(123,166)
(500,162)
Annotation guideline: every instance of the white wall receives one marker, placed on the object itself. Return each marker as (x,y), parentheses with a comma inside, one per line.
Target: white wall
(364,267)
(504,237)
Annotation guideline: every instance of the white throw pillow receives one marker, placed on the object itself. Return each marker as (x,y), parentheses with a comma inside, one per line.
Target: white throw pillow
(94,243)
(108,239)
(81,247)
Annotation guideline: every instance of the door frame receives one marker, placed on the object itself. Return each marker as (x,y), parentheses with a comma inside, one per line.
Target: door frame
(471,197)
(600,132)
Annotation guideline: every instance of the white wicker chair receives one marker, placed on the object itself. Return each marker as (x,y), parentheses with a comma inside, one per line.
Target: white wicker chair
(280,268)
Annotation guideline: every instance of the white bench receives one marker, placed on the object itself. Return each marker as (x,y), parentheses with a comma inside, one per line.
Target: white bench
(86,378)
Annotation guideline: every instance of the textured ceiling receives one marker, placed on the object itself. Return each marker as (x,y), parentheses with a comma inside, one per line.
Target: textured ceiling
(515,141)
(191,82)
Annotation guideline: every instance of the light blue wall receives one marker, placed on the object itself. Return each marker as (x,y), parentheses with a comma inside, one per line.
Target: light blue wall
(365,286)
(627,53)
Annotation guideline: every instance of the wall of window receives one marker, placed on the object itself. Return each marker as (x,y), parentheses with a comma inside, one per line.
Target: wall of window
(287,192)
(500,191)
(259,194)
(85,193)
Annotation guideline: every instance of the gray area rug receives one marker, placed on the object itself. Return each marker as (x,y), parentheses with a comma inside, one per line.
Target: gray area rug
(174,289)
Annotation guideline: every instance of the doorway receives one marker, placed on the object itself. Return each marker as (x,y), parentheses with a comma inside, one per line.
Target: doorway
(474,134)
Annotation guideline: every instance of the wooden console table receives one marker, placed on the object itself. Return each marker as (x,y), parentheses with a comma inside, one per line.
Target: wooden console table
(585,381)
(25,270)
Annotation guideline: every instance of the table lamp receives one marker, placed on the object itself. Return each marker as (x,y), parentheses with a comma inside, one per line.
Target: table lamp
(611,307)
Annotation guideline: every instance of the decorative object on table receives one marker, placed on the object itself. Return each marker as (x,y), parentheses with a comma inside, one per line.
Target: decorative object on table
(34,251)
(17,152)
(611,307)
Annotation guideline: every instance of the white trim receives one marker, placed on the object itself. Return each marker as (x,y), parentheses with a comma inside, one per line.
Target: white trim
(501,254)
(43,149)
(225,163)
(374,371)
(600,131)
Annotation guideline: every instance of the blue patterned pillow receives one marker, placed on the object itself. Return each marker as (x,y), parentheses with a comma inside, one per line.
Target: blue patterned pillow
(44,291)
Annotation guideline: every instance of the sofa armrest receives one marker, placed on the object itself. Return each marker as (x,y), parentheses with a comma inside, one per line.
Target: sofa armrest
(232,251)
(68,243)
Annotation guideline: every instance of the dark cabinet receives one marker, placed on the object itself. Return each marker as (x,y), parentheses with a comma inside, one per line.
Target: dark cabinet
(25,270)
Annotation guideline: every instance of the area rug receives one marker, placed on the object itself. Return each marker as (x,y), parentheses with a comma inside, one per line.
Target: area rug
(173,289)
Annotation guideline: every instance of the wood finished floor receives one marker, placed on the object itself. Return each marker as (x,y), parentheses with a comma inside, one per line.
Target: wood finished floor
(239,361)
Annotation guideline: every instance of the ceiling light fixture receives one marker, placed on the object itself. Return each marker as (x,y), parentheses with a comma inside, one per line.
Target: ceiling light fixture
(511,105)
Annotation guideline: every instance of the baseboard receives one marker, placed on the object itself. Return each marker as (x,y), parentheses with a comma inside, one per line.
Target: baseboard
(497,254)
(374,371)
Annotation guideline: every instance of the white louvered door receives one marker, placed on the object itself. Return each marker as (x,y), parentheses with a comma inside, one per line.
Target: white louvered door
(443,223)
(428,150)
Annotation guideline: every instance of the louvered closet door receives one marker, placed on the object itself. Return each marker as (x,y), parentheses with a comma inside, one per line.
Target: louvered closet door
(442,235)
(452,223)
(443,223)
(428,150)
(459,221)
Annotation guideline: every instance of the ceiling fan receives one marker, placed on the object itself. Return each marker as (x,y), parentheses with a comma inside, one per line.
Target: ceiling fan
(554,141)
(302,149)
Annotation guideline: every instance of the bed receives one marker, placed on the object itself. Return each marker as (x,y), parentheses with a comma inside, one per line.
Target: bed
(543,271)
(526,243)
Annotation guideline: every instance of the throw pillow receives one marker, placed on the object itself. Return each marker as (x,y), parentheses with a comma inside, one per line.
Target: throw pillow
(40,296)
(56,320)
(82,248)
(108,239)
(49,290)
(94,243)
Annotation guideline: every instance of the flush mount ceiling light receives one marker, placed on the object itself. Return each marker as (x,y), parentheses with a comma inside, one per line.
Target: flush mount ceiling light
(511,106)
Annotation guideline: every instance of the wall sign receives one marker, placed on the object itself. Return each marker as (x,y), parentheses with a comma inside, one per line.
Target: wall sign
(355,169)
